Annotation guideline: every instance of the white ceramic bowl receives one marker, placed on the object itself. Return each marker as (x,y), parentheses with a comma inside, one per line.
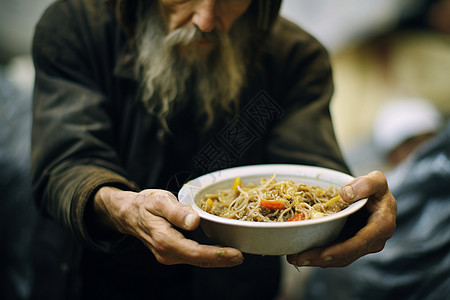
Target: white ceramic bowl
(266,238)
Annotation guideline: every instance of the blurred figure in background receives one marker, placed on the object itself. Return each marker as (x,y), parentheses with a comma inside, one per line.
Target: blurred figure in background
(415,264)
(409,59)
(17,211)
(402,126)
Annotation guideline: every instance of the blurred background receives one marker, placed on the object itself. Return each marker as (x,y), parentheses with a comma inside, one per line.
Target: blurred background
(381,51)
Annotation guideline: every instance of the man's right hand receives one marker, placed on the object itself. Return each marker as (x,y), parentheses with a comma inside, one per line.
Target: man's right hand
(149,216)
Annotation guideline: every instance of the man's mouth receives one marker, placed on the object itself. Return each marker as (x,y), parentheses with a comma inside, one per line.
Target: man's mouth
(202,41)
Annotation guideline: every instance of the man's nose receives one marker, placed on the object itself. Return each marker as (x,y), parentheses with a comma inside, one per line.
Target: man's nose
(205,15)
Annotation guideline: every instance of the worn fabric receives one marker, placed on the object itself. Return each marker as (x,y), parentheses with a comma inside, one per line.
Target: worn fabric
(89,130)
(415,263)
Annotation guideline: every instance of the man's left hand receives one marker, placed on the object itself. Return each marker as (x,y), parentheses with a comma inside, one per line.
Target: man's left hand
(380,226)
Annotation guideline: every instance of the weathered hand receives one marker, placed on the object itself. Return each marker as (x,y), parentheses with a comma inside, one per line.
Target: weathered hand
(149,216)
(380,226)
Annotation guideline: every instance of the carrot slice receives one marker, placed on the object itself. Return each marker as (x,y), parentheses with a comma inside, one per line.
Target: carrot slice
(272,204)
(297,217)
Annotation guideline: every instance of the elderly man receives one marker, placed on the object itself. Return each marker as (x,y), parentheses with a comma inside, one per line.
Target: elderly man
(134,97)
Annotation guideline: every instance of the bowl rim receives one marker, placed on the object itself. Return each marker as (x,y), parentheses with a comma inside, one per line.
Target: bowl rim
(191,188)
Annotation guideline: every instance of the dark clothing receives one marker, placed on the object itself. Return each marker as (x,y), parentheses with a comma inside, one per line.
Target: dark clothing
(415,264)
(89,130)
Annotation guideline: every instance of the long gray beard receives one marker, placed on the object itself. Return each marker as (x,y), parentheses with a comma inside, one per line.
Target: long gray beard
(164,73)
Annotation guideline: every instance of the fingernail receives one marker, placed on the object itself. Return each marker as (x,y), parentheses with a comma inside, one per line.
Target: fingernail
(189,221)
(237,260)
(295,262)
(348,190)
(305,262)
(328,258)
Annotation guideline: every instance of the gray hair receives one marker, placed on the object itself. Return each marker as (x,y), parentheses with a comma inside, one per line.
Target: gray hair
(164,73)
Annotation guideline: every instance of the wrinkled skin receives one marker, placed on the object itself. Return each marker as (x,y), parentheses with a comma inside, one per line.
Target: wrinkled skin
(380,226)
(153,215)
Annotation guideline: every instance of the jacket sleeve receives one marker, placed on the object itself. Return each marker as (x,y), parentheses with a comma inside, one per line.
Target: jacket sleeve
(73,152)
(302,82)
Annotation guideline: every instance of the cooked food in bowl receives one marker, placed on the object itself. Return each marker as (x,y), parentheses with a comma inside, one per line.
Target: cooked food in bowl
(273,201)
(267,238)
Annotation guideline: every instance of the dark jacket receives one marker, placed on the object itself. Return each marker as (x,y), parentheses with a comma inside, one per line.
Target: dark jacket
(89,130)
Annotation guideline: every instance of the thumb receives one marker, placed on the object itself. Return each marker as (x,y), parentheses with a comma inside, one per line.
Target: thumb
(373,184)
(166,205)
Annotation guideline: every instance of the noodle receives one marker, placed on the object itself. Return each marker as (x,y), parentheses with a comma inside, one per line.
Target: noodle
(273,201)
